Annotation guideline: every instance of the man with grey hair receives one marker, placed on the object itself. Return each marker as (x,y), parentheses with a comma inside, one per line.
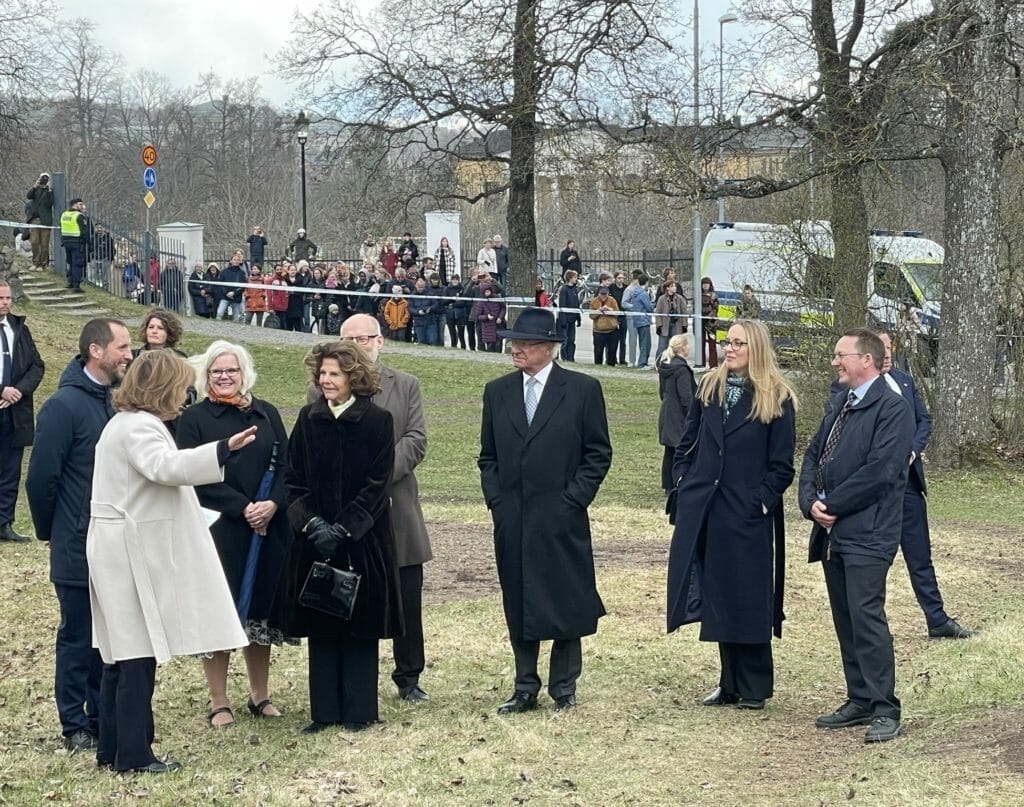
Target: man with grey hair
(400,395)
(544,452)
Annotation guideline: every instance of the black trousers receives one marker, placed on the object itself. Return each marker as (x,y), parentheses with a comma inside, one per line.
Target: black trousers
(408,649)
(605,346)
(856,593)
(747,670)
(126,714)
(565,669)
(667,461)
(78,667)
(622,339)
(10,468)
(916,544)
(343,680)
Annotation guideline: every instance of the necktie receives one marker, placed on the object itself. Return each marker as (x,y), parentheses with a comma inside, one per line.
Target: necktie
(833,439)
(531,398)
(6,380)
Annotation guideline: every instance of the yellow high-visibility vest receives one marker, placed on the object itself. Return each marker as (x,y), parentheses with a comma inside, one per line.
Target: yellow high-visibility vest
(69,224)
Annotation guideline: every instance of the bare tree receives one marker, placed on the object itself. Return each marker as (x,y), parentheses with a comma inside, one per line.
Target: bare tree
(433,76)
(23,26)
(85,72)
(981,79)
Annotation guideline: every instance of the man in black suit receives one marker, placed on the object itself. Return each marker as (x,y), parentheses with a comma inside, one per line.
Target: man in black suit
(852,480)
(22,370)
(544,451)
(915,541)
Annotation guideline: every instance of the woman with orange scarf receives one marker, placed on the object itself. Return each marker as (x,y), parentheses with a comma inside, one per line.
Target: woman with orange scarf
(224,379)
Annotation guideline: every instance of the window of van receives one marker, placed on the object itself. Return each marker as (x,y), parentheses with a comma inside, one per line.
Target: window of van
(891,284)
(820,280)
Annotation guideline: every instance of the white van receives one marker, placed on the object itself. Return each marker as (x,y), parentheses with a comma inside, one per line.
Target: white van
(786,266)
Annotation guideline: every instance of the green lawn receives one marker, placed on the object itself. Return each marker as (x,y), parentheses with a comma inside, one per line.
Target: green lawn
(639,736)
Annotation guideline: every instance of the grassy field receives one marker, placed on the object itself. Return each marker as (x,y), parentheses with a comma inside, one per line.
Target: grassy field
(639,736)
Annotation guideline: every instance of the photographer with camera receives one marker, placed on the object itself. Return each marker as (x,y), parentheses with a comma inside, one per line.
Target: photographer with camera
(39,211)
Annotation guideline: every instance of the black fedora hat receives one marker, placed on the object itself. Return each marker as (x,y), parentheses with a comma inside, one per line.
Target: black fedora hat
(534,325)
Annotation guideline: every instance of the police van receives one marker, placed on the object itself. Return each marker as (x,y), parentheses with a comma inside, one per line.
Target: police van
(789,267)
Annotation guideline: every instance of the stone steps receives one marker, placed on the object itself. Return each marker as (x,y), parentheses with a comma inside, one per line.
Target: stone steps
(41,287)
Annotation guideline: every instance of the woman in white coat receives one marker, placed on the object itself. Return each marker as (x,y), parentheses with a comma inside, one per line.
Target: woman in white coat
(155,582)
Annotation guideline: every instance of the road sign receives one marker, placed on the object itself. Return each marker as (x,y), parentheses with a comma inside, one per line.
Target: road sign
(149,178)
(149,198)
(149,156)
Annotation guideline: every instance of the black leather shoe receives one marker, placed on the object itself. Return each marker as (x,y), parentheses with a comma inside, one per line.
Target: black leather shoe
(520,702)
(355,726)
(81,740)
(849,714)
(7,533)
(882,729)
(316,728)
(413,693)
(107,764)
(565,703)
(750,703)
(950,630)
(720,698)
(160,766)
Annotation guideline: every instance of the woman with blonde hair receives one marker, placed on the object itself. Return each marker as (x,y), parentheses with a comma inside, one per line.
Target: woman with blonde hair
(727,560)
(155,584)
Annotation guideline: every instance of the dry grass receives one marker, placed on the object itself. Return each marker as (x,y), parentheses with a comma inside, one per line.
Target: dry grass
(639,737)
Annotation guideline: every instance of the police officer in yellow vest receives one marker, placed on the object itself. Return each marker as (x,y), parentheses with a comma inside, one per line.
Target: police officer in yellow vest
(75,236)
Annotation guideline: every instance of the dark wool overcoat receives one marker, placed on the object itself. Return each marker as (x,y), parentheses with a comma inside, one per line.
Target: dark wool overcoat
(338,469)
(538,481)
(208,422)
(721,569)
(27,370)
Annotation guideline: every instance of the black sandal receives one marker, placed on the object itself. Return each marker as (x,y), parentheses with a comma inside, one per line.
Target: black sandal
(256,709)
(223,710)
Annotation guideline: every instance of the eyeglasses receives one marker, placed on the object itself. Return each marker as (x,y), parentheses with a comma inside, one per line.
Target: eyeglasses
(735,344)
(228,372)
(841,356)
(518,346)
(362,340)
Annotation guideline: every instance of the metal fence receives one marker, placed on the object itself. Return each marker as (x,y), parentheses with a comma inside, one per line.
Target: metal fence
(128,261)
(653,262)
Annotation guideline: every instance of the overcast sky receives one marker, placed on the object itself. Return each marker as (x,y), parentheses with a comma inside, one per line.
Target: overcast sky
(238,38)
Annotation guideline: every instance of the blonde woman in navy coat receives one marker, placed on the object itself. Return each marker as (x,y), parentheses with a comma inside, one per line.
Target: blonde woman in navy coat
(727,561)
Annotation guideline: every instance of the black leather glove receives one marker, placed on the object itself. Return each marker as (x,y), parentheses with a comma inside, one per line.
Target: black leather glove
(328,539)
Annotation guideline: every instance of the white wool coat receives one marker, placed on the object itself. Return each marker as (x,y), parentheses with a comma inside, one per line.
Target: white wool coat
(155,582)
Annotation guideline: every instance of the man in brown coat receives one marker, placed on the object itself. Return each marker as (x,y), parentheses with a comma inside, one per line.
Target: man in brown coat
(400,395)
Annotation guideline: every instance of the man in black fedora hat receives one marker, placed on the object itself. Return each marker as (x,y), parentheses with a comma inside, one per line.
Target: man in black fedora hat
(544,451)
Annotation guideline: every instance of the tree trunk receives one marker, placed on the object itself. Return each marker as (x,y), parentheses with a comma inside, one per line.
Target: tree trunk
(522,125)
(852,256)
(977,96)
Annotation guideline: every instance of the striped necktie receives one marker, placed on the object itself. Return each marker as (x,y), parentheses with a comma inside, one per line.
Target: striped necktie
(833,439)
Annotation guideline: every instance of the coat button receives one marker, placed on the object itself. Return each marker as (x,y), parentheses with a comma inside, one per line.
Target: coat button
(716,481)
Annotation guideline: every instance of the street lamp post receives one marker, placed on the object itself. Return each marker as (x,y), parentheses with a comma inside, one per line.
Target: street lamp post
(724,20)
(302,134)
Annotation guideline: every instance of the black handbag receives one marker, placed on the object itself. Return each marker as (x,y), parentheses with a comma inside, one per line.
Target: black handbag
(330,591)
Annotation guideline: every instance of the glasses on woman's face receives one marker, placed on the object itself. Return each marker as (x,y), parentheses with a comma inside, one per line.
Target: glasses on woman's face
(225,372)
(735,344)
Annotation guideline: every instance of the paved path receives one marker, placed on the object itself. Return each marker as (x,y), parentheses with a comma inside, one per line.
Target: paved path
(272,336)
